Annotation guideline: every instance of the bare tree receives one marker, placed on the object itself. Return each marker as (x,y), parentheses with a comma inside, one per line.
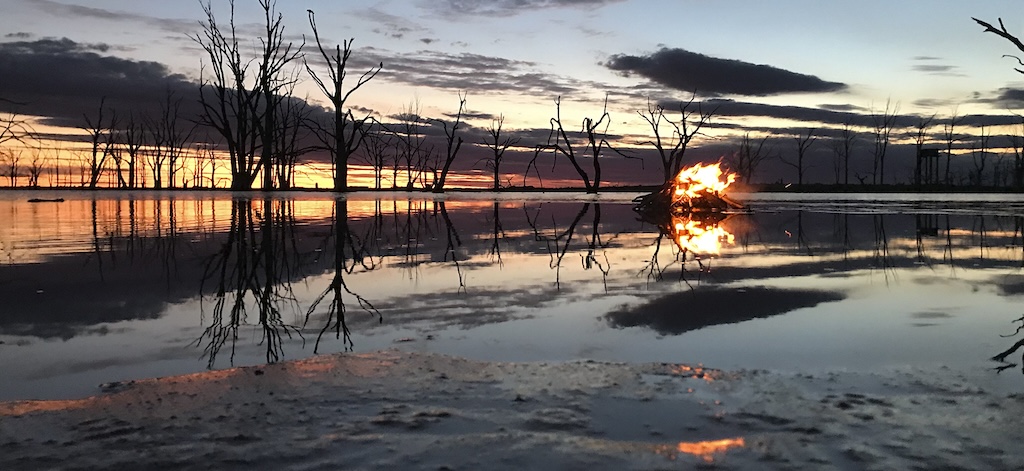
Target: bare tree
(229,106)
(594,141)
(453,142)
(1016,143)
(101,136)
(1002,32)
(12,160)
(346,133)
(749,157)
(882,124)
(842,148)
(498,145)
(672,150)
(13,127)
(134,141)
(979,156)
(920,136)
(412,146)
(170,138)
(803,143)
(272,80)
(950,137)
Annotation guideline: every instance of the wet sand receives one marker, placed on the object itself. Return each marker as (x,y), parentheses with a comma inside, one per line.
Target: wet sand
(398,410)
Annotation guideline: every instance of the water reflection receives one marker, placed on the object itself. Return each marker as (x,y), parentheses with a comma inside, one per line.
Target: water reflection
(257,278)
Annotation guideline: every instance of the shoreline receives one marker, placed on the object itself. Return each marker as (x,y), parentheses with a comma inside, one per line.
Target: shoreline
(415,410)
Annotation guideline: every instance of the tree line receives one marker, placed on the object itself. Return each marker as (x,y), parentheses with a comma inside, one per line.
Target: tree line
(250,121)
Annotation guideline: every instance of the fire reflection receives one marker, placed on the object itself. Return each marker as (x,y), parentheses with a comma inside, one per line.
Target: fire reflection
(705,450)
(700,233)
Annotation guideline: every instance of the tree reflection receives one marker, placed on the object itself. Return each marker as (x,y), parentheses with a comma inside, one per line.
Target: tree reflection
(350,252)
(557,242)
(252,266)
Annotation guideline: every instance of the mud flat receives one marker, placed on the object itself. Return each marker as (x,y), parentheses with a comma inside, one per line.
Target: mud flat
(399,410)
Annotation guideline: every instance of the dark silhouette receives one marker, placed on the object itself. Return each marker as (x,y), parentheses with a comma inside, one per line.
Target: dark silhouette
(672,150)
(343,136)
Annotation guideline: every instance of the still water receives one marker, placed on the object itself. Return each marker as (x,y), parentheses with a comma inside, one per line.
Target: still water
(109,286)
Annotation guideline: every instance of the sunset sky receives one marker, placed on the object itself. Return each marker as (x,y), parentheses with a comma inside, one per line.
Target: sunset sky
(766,67)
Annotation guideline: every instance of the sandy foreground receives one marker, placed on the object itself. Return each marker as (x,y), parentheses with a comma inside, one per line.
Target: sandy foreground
(399,410)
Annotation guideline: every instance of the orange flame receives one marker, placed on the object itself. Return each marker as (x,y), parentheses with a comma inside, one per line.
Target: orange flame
(700,236)
(693,181)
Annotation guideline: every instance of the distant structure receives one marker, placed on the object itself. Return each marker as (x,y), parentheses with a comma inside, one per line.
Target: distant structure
(930,167)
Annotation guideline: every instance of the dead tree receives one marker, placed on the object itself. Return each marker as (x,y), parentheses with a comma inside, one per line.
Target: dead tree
(672,150)
(1002,32)
(498,146)
(842,148)
(950,137)
(35,168)
(228,105)
(134,140)
(453,143)
(275,55)
(748,157)
(882,124)
(1016,143)
(803,144)
(979,156)
(920,136)
(593,133)
(346,133)
(101,137)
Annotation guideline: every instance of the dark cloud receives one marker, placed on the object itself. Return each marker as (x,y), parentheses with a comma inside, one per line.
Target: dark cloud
(689,71)
(60,79)
(18,35)
(467,72)
(510,7)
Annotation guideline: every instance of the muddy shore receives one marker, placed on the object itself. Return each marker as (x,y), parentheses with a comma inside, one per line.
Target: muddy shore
(398,410)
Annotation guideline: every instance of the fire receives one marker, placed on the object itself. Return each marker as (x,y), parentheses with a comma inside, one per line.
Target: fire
(696,181)
(700,235)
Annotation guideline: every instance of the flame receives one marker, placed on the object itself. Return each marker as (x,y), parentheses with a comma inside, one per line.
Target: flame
(700,236)
(693,181)
(705,450)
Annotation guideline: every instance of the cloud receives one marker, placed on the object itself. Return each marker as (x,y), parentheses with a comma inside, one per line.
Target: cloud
(689,71)
(925,64)
(52,8)
(392,26)
(60,80)
(467,72)
(509,7)
(18,35)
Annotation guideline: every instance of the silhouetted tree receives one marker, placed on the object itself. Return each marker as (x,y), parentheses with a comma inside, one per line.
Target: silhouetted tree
(672,150)
(498,146)
(453,143)
(882,124)
(343,136)
(101,136)
(229,106)
(803,143)
(593,135)
(842,148)
(749,156)
(920,135)
(1002,32)
(950,137)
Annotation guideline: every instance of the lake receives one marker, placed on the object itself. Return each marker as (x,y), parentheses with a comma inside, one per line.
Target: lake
(113,286)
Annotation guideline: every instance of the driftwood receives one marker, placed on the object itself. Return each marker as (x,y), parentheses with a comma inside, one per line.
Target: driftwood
(46,200)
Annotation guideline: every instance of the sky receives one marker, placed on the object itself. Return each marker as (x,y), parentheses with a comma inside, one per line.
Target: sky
(766,68)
